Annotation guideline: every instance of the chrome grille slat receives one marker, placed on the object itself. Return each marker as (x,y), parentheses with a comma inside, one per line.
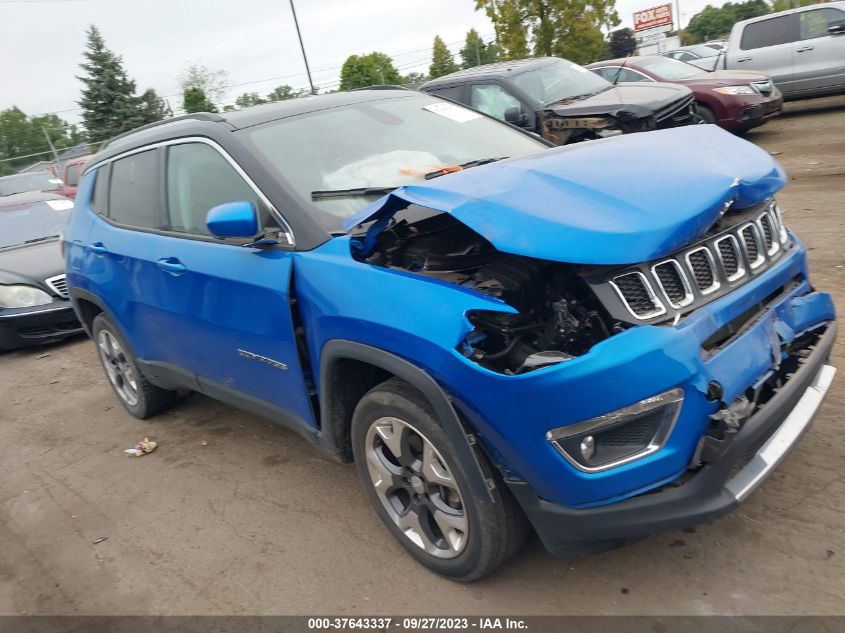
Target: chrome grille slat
(58,284)
(690,275)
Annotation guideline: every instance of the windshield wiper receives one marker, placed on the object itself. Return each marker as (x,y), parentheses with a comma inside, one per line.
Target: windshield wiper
(453,168)
(349,193)
(40,239)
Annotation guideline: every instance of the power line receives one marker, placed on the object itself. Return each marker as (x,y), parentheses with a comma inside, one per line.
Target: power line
(258,81)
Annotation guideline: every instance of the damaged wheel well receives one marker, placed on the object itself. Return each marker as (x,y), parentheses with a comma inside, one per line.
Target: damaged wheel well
(342,387)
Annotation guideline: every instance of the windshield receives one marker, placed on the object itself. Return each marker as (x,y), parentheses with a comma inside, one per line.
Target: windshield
(377,144)
(559,81)
(32,221)
(21,183)
(702,51)
(669,69)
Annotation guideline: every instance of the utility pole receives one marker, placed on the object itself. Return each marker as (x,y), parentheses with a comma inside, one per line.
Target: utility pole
(678,11)
(478,51)
(53,149)
(302,46)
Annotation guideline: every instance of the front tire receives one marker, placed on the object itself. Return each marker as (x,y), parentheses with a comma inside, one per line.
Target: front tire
(420,489)
(706,113)
(137,394)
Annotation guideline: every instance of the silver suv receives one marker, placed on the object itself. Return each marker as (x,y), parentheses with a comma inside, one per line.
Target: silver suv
(803,50)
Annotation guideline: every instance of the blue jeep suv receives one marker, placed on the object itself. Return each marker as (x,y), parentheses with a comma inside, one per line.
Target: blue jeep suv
(592,342)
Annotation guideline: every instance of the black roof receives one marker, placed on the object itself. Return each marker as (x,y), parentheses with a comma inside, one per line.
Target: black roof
(240,119)
(492,70)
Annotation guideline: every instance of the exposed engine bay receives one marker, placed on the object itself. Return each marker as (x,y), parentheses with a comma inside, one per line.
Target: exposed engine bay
(558,317)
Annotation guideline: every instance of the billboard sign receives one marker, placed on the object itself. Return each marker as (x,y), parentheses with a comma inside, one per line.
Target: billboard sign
(650,18)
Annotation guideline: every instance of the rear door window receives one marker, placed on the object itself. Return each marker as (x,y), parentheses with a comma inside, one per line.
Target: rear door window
(134,192)
(814,23)
(769,32)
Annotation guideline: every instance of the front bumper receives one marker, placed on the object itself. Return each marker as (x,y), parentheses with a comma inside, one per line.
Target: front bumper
(22,327)
(746,113)
(714,490)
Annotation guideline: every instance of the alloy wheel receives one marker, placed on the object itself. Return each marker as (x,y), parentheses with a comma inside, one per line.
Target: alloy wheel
(416,487)
(120,372)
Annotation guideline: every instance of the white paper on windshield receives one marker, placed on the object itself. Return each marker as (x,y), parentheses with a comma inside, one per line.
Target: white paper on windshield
(452,111)
(60,205)
(56,181)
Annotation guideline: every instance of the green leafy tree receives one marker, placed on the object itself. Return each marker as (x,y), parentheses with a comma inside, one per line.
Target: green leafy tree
(214,84)
(284,92)
(442,60)
(566,28)
(109,105)
(23,141)
(512,29)
(248,99)
(622,43)
(414,79)
(713,21)
(783,5)
(194,100)
(152,107)
(476,53)
(750,9)
(360,71)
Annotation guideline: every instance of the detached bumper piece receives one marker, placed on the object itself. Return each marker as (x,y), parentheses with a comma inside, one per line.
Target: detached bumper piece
(740,450)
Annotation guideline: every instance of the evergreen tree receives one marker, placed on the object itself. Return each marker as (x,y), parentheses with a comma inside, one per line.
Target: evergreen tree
(476,53)
(284,92)
(442,60)
(194,100)
(109,105)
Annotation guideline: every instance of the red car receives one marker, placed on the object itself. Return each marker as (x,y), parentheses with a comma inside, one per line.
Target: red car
(736,100)
(73,169)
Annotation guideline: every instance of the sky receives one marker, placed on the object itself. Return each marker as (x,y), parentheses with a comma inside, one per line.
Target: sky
(254,41)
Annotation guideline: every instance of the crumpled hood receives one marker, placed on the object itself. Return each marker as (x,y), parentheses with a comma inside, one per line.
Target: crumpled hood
(638,99)
(620,200)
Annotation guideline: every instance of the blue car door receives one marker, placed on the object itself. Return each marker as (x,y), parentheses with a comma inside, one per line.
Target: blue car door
(229,304)
(122,254)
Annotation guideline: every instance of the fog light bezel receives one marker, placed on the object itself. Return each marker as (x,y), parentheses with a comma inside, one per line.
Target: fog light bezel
(673,398)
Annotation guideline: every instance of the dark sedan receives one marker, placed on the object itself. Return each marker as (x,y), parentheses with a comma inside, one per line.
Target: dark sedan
(733,99)
(33,296)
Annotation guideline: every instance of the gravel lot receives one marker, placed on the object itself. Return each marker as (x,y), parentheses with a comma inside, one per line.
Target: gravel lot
(256,522)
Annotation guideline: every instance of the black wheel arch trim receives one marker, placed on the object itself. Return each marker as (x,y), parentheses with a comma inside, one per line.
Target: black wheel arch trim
(332,429)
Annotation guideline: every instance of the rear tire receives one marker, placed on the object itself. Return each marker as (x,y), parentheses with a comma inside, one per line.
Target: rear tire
(137,394)
(420,490)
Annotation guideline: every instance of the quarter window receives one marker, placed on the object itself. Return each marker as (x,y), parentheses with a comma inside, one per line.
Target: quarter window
(769,32)
(493,100)
(99,196)
(813,24)
(134,192)
(198,179)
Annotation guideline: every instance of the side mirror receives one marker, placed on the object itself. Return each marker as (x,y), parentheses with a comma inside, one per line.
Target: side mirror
(233,219)
(515,116)
(836,27)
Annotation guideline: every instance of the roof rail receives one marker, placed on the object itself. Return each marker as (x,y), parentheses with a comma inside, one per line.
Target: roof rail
(381,87)
(198,116)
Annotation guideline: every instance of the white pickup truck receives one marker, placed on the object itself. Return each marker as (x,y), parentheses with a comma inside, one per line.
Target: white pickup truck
(802,50)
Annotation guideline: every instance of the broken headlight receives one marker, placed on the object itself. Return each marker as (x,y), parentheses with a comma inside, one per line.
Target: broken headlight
(620,436)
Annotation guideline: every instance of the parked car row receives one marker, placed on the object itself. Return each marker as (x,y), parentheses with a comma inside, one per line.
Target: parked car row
(802,50)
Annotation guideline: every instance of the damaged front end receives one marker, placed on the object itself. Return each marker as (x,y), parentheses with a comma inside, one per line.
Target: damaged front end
(574,124)
(556,316)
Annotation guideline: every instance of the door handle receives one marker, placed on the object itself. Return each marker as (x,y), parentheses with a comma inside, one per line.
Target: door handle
(172,265)
(744,59)
(99,248)
(804,48)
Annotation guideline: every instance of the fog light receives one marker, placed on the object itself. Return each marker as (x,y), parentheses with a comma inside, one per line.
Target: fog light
(621,436)
(588,447)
